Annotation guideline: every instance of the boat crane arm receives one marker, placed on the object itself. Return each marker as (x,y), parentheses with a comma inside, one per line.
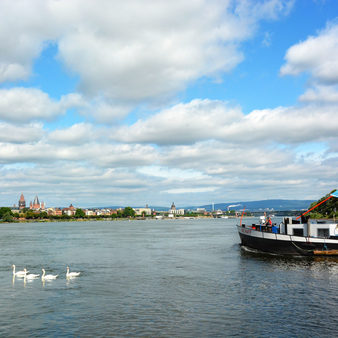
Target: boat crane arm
(334,194)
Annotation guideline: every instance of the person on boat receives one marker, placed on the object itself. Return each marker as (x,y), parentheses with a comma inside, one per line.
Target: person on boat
(269,224)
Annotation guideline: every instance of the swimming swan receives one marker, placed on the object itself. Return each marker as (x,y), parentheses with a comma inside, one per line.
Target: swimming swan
(72,274)
(48,277)
(18,273)
(31,275)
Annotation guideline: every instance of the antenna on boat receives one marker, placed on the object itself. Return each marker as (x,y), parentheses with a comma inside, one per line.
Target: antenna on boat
(334,194)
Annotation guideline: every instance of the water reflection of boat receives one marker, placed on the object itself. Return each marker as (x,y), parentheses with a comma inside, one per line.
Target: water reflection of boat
(292,236)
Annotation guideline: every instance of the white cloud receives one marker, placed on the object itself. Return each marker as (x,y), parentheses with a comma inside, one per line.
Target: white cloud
(286,125)
(73,100)
(79,133)
(217,158)
(201,120)
(130,51)
(71,183)
(264,9)
(24,28)
(20,134)
(317,55)
(321,94)
(210,168)
(190,190)
(182,124)
(170,173)
(103,155)
(123,155)
(28,104)
(153,49)
(13,71)
(105,111)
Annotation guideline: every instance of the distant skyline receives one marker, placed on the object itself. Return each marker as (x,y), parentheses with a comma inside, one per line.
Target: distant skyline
(273,204)
(148,102)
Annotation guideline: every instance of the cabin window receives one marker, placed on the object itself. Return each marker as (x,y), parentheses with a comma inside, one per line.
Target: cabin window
(298,232)
(323,232)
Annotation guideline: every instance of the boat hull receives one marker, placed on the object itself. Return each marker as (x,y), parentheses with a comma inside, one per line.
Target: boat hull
(286,244)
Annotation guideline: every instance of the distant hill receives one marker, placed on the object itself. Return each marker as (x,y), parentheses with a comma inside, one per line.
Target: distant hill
(278,205)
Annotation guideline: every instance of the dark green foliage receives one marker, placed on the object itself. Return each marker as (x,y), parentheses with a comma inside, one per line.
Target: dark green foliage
(32,215)
(4,211)
(7,217)
(191,214)
(43,215)
(327,209)
(79,213)
(128,212)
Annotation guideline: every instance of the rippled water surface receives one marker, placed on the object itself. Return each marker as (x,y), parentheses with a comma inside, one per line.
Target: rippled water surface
(182,278)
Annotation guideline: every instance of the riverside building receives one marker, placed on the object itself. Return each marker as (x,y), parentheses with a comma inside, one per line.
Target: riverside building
(173,211)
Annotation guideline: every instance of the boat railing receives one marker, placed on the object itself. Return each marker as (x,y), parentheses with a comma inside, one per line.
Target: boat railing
(274,228)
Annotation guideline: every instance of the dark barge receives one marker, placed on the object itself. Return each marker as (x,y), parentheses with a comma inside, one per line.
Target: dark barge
(292,237)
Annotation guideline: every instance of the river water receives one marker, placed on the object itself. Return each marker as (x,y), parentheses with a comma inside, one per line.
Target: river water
(165,278)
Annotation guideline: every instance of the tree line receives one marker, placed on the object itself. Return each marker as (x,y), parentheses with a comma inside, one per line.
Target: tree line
(6,215)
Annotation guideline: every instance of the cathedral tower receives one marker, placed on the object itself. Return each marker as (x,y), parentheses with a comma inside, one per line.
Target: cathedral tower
(36,204)
(22,202)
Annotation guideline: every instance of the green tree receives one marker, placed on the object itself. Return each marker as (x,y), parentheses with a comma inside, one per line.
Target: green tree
(128,212)
(79,213)
(43,214)
(7,217)
(5,210)
(29,214)
(326,209)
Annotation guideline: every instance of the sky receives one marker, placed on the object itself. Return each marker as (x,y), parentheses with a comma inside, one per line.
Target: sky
(148,102)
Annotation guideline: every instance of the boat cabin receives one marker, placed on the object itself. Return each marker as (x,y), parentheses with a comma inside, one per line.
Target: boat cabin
(312,228)
(303,228)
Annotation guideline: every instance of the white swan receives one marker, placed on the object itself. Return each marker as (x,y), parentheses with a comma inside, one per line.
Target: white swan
(47,277)
(18,273)
(31,275)
(72,274)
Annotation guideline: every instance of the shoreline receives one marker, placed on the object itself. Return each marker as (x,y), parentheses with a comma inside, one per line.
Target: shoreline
(107,219)
(129,219)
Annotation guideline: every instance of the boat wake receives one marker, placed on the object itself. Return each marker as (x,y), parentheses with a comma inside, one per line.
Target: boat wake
(246,249)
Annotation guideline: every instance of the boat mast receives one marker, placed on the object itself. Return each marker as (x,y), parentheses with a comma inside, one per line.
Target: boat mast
(242,217)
